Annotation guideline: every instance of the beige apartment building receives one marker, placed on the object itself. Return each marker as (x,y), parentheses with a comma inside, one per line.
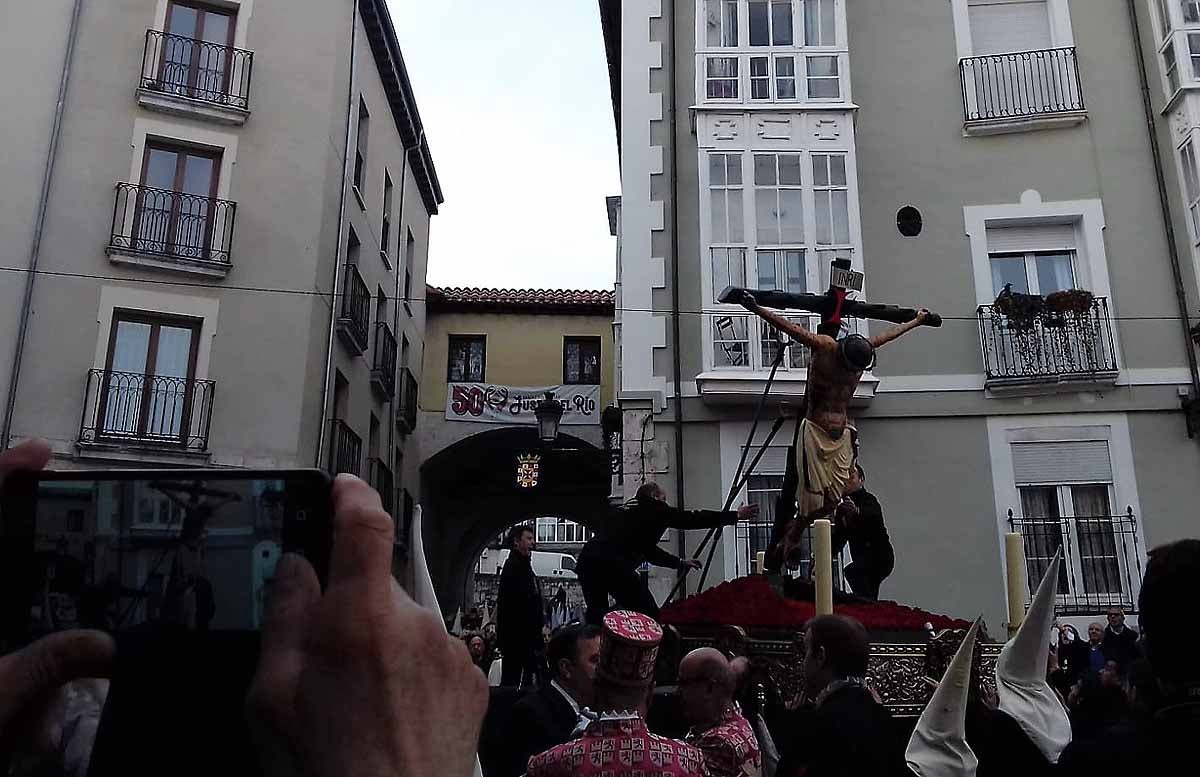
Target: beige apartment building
(216,224)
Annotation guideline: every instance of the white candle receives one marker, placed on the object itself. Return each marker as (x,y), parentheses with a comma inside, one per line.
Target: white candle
(761,561)
(1014,562)
(823,566)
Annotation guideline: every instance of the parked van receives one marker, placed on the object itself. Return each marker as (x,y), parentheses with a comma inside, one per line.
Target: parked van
(546,565)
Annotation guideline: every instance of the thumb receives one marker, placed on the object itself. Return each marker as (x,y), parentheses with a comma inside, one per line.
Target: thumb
(50,663)
(292,592)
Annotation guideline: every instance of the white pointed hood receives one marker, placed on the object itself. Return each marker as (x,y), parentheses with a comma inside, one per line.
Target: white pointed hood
(938,746)
(456,629)
(1025,696)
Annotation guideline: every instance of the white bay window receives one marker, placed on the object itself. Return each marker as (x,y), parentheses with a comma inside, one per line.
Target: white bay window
(1191,187)
(721,23)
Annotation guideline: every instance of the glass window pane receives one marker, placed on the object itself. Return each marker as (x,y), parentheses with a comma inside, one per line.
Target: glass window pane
(766,217)
(837,170)
(183,21)
(160,169)
(824,222)
(716,169)
(822,66)
(131,348)
(828,24)
(841,218)
(758,66)
(731,344)
(1190,177)
(198,175)
(760,89)
(820,169)
(781,22)
(759,25)
(1009,269)
(764,169)
(734,169)
(785,66)
(216,28)
(736,216)
(785,88)
(794,273)
(789,169)
(1056,272)
(174,351)
(791,216)
(766,270)
(1191,11)
(720,231)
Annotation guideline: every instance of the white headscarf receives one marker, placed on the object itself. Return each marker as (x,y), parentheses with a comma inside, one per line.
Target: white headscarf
(938,746)
(1025,696)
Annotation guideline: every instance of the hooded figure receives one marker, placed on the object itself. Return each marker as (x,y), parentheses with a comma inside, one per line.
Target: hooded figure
(1025,696)
(938,746)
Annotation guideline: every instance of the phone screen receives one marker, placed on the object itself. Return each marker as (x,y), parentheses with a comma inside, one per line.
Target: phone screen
(181,550)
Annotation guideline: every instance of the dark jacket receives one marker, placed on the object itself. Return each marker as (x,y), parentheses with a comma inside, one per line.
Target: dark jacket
(868,539)
(538,722)
(1164,743)
(1073,658)
(631,534)
(519,605)
(1122,648)
(849,735)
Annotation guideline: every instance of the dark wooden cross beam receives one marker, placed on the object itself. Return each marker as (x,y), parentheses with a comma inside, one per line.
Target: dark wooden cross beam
(832,306)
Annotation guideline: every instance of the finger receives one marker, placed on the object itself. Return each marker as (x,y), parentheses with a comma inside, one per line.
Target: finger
(363,534)
(50,663)
(29,456)
(291,595)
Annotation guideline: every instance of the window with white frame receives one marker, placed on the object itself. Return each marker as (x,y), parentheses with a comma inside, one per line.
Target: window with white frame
(1191,186)
(727,214)
(832,197)
(721,23)
(774,78)
(721,78)
(1170,67)
(770,22)
(1034,259)
(824,78)
(1009,26)
(778,199)
(820,23)
(1191,11)
(1165,25)
(560,530)
(1194,53)
(731,341)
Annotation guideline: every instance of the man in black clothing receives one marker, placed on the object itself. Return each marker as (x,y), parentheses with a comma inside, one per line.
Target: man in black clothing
(519,616)
(858,521)
(847,733)
(1120,641)
(547,717)
(609,562)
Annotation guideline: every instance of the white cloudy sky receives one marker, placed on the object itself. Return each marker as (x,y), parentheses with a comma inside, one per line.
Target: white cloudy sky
(516,107)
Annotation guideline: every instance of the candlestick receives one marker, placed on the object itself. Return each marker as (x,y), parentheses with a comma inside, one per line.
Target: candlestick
(1014,561)
(760,560)
(823,565)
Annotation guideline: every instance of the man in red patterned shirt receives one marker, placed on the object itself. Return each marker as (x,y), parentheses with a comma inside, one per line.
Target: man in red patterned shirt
(706,685)
(615,742)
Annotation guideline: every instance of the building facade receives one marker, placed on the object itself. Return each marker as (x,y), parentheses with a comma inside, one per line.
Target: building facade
(490,357)
(949,150)
(216,265)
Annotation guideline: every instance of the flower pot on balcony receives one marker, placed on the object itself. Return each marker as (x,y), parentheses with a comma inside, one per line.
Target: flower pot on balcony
(1022,311)
(1071,302)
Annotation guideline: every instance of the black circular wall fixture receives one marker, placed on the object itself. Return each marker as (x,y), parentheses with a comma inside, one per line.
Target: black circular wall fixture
(908,221)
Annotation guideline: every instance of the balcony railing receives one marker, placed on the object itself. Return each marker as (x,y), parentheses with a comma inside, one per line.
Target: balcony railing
(1049,347)
(197,69)
(754,537)
(171,225)
(345,448)
(1102,559)
(1021,85)
(354,318)
(124,408)
(381,480)
(383,366)
(407,418)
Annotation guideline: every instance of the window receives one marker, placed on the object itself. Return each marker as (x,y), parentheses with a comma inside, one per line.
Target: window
(1171,68)
(410,257)
(770,22)
(196,63)
(731,341)
(385,236)
(782,270)
(760,78)
(360,149)
(353,248)
(560,530)
(778,205)
(728,269)
(832,198)
(1164,17)
(467,357)
(1007,26)
(820,23)
(175,208)
(1191,12)
(1194,53)
(1035,259)
(784,80)
(581,361)
(721,23)
(1191,186)
(726,193)
(150,366)
(722,78)
(824,82)
(797,356)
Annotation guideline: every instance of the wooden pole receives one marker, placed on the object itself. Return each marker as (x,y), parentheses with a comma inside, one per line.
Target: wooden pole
(1014,560)
(823,566)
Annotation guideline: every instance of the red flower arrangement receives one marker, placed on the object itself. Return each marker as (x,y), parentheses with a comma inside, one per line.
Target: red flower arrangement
(751,602)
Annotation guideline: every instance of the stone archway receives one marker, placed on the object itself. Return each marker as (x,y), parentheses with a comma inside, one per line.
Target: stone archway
(470,492)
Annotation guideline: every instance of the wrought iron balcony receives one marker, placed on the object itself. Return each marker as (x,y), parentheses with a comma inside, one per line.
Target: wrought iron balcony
(383,366)
(407,417)
(380,477)
(197,70)
(172,226)
(159,411)
(1048,347)
(1022,86)
(345,448)
(1102,559)
(354,318)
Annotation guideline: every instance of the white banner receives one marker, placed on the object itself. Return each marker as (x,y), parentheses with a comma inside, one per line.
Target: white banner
(490,404)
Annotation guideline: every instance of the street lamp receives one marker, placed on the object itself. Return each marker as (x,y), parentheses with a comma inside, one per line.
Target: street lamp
(549,413)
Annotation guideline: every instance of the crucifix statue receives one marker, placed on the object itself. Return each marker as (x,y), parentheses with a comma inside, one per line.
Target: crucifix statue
(826,446)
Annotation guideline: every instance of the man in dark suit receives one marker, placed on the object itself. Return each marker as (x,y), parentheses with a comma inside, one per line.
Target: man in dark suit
(519,620)
(547,717)
(858,521)
(1120,642)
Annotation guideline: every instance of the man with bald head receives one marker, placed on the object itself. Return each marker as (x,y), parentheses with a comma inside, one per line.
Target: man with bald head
(707,683)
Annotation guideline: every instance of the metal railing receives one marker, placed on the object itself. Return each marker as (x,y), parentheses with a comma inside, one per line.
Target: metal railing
(1048,345)
(355,316)
(126,408)
(197,69)
(1102,559)
(346,449)
(383,363)
(408,400)
(1020,85)
(175,225)
(380,477)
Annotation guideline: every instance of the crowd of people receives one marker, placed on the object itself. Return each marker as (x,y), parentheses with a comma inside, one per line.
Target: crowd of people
(358,679)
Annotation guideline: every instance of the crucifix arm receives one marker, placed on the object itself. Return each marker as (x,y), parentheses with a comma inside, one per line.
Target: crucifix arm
(816,342)
(883,338)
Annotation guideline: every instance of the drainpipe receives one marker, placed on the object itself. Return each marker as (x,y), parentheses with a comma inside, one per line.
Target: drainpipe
(35,249)
(337,252)
(1164,202)
(676,366)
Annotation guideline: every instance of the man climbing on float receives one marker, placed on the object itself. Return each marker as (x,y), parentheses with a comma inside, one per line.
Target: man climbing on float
(826,447)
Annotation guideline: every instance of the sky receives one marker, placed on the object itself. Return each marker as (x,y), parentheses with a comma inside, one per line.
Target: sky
(516,106)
